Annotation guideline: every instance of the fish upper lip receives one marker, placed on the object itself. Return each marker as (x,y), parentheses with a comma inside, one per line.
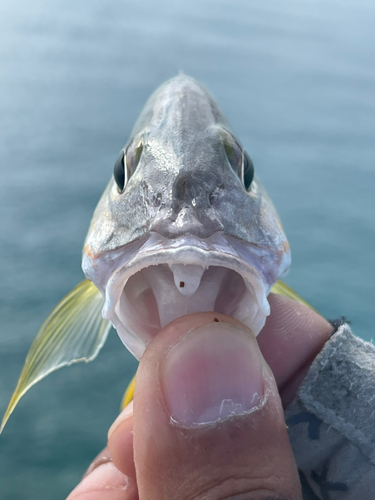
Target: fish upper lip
(212,253)
(189,246)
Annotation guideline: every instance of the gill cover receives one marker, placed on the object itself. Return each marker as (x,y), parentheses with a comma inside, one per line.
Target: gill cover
(73,332)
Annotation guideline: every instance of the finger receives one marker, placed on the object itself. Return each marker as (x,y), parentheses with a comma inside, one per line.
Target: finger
(122,452)
(290,340)
(103,481)
(292,337)
(208,421)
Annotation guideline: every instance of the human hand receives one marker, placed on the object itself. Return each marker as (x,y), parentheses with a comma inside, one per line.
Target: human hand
(208,419)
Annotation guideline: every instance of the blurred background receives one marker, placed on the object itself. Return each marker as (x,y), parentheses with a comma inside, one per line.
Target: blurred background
(296,80)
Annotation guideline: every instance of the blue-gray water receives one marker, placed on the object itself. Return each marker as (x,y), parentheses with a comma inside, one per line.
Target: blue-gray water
(296,80)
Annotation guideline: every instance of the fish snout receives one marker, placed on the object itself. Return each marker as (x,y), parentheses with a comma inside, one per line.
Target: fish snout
(202,223)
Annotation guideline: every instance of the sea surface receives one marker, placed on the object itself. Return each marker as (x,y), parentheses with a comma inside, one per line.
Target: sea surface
(296,80)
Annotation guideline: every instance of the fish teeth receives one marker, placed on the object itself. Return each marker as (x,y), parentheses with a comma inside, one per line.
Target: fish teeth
(187,278)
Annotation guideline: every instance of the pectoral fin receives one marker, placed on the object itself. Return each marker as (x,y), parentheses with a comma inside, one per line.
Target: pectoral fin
(282,289)
(73,332)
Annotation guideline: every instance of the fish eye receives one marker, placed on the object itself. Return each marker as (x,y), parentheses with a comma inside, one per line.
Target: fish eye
(126,164)
(132,157)
(234,155)
(120,172)
(247,171)
(240,163)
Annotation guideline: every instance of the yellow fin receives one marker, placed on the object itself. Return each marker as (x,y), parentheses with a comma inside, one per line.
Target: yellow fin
(74,331)
(282,289)
(129,394)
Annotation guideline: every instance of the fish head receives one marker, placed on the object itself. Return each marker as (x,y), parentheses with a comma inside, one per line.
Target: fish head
(184,224)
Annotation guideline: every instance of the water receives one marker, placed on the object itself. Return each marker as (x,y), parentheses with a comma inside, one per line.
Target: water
(296,80)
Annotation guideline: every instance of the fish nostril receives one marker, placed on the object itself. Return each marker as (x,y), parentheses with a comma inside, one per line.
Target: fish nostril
(157,200)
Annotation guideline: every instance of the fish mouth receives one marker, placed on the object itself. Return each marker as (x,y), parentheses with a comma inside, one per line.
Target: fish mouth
(168,278)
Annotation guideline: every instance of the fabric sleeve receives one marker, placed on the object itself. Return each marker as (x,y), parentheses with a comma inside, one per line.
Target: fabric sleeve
(331,421)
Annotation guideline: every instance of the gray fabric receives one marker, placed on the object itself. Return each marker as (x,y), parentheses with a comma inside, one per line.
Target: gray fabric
(331,421)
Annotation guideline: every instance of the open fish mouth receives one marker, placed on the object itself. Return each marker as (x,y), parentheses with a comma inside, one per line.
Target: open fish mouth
(168,278)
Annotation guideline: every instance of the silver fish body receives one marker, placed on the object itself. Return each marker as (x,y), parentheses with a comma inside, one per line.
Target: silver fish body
(183,226)
(180,230)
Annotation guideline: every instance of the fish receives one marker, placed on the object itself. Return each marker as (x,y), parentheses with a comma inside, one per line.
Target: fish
(183,226)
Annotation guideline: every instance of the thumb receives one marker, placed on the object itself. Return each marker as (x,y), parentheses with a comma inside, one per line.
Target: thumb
(208,421)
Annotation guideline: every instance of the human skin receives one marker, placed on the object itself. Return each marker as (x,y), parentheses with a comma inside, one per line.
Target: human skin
(175,444)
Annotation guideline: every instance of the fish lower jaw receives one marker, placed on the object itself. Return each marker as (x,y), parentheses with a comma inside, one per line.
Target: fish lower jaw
(158,292)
